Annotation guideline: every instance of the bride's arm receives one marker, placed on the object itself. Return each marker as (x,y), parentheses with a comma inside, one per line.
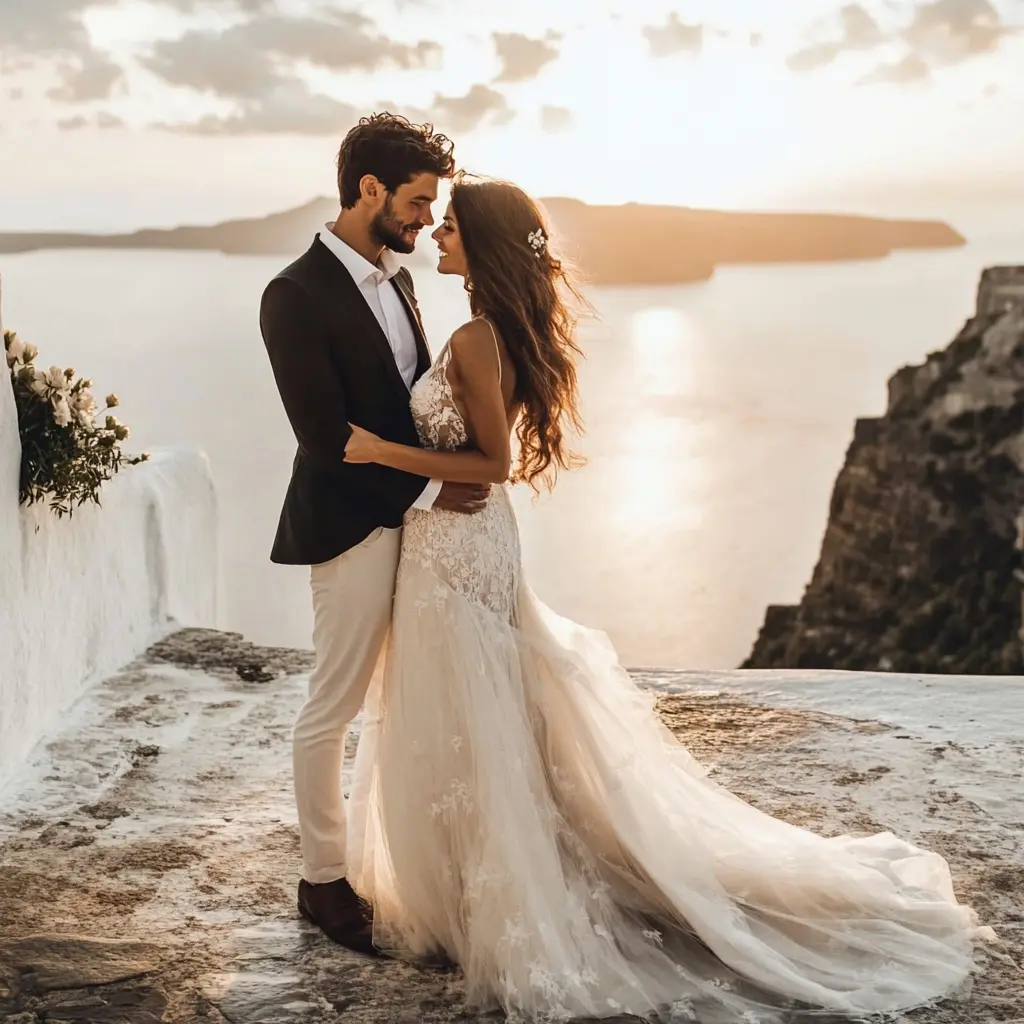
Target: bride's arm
(476,360)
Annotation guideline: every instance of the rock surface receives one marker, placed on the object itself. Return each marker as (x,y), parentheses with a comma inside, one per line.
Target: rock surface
(150,850)
(916,572)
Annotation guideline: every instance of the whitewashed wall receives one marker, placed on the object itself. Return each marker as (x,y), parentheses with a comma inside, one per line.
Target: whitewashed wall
(80,597)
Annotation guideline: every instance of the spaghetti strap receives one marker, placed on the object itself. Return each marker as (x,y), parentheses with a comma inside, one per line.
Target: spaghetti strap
(497,347)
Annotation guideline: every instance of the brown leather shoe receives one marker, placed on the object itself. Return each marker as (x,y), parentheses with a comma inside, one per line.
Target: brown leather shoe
(340,913)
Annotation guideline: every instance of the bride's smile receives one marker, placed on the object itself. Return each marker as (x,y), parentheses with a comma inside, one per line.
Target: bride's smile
(451,256)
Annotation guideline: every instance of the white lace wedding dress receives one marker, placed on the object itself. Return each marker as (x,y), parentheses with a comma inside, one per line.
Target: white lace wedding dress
(519,808)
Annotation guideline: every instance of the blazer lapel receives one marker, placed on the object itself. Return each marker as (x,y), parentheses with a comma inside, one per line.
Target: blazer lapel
(413,312)
(348,291)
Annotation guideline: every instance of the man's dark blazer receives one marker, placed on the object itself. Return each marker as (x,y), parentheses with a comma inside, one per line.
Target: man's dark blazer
(333,364)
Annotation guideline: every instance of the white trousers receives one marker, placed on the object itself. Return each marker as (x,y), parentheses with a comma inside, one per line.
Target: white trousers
(352,599)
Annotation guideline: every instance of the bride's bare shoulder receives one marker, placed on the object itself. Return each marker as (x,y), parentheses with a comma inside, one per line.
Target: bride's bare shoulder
(475,344)
(473,332)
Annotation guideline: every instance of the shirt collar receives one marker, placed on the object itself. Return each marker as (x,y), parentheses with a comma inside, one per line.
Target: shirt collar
(359,266)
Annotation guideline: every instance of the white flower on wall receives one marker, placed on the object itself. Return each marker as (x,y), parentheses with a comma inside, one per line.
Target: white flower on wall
(66,456)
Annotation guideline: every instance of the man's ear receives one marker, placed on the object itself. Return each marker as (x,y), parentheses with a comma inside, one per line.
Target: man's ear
(371,187)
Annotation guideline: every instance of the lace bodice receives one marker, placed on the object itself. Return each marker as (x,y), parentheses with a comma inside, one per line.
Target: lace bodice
(476,555)
(438,420)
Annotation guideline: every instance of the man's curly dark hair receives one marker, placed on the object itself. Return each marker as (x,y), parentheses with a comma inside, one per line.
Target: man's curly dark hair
(393,150)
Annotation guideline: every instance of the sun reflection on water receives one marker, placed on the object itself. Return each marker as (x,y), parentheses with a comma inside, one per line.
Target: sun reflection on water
(666,344)
(660,473)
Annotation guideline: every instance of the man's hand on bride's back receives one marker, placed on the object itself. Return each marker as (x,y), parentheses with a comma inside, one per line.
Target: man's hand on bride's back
(466,498)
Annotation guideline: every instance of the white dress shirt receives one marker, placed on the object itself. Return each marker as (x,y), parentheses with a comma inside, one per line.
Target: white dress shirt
(381,295)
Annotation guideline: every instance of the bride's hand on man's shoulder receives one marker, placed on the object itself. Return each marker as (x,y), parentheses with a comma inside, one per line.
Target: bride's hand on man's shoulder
(362,445)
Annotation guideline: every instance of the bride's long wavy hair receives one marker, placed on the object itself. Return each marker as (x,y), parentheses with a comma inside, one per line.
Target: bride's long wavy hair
(527,292)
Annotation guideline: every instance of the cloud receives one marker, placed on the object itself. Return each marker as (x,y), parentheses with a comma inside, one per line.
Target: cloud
(72,124)
(337,40)
(90,77)
(43,27)
(951,31)
(52,31)
(250,60)
(939,32)
(673,37)
(258,65)
(555,119)
(234,6)
(859,31)
(522,57)
(288,109)
(810,58)
(481,106)
(216,63)
(912,69)
(103,120)
(255,64)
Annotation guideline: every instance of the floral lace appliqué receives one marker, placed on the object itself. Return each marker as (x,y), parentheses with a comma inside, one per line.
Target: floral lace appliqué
(477,556)
(438,421)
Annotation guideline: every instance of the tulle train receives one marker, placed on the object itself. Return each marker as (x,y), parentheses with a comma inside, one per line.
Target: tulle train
(519,808)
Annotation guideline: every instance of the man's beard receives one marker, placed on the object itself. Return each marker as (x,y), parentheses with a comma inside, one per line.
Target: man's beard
(387,229)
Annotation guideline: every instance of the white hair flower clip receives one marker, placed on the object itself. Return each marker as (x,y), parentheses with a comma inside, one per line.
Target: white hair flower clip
(538,240)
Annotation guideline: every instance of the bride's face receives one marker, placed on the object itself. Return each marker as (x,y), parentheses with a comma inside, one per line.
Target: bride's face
(451,256)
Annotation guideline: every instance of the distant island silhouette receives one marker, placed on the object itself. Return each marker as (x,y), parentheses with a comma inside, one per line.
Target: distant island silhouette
(633,243)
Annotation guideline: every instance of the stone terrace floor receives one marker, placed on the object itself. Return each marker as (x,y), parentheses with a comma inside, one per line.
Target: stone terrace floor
(149,853)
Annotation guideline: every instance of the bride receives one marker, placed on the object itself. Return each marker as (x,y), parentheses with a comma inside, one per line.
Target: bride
(519,809)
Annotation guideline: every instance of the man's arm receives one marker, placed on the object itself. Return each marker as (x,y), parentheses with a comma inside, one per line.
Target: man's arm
(478,363)
(298,345)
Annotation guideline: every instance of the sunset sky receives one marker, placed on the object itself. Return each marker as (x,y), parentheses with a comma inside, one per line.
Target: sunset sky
(117,115)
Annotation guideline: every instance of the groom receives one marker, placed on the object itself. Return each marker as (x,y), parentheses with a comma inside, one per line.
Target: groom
(346,343)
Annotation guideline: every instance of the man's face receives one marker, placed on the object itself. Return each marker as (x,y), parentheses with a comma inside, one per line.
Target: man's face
(405,212)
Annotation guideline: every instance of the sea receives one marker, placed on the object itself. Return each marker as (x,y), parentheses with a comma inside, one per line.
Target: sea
(717,417)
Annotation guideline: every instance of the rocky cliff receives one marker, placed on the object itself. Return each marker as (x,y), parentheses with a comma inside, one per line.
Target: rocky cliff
(916,572)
